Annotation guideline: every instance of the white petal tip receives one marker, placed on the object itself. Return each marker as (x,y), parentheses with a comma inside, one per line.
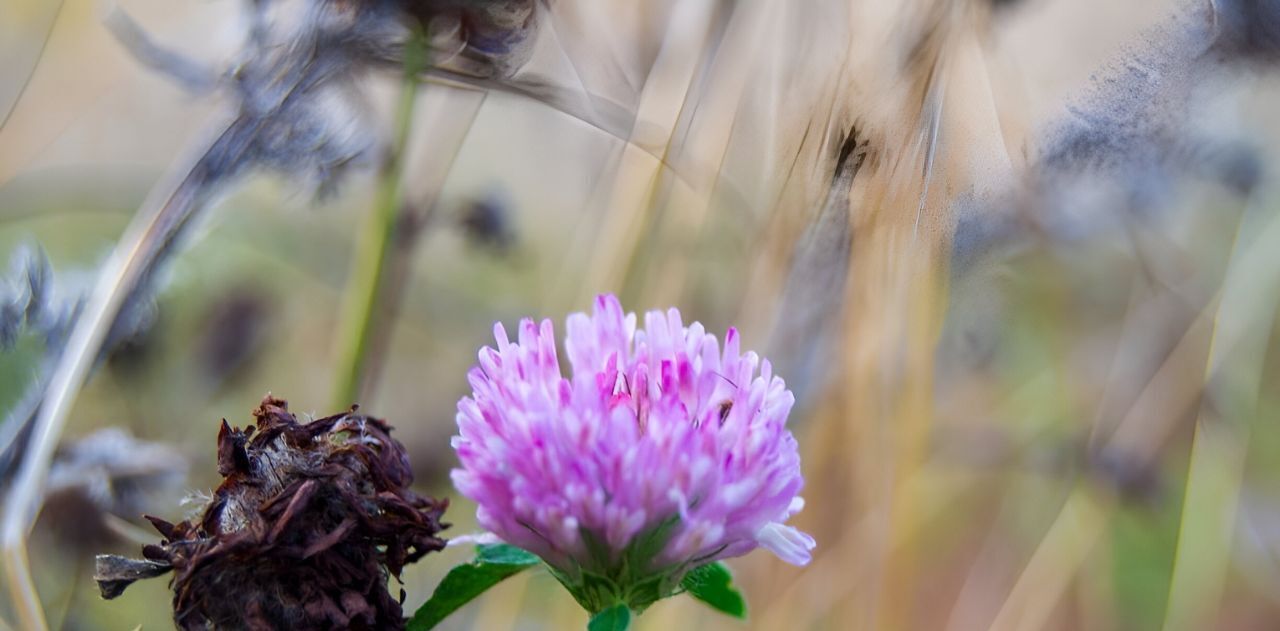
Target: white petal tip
(788,543)
(475,539)
(797,505)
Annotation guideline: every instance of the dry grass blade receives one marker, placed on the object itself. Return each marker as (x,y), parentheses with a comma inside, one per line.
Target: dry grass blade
(1233,378)
(630,193)
(1061,553)
(608,116)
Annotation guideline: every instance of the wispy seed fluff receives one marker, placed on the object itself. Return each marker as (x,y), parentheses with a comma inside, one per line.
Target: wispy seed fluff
(659,439)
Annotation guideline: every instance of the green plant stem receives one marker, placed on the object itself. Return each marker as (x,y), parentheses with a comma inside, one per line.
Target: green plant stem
(367,282)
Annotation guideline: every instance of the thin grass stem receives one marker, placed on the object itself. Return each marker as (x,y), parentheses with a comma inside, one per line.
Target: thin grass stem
(367,284)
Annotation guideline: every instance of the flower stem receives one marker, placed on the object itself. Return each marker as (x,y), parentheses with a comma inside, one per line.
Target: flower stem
(367,282)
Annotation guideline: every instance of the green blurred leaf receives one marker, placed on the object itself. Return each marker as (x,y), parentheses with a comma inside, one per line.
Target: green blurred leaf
(1143,540)
(1142,563)
(615,618)
(713,585)
(492,565)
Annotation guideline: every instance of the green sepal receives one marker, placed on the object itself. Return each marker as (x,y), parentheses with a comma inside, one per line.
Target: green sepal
(596,592)
(629,578)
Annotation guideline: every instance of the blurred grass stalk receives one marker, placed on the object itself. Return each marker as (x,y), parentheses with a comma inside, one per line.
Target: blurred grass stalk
(1241,316)
(897,292)
(1052,568)
(367,284)
(632,200)
(1228,409)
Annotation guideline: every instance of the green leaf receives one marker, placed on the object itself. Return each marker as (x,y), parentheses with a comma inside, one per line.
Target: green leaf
(713,584)
(493,564)
(504,554)
(615,618)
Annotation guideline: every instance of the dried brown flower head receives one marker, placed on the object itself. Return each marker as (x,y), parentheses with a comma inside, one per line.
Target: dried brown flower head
(302,533)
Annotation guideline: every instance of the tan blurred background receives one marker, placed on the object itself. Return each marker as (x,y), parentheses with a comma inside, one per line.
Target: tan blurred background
(968,497)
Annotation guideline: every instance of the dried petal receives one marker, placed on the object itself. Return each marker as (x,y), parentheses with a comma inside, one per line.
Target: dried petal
(115,573)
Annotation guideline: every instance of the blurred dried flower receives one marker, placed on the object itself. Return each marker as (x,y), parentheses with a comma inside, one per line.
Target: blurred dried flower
(1249,28)
(233,334)
(487,223)
(490,37)
(300,109)
(302,533)
(1122,148)
(32,304)
(26,301)
(108,472)
(1123,155)
(1129,477)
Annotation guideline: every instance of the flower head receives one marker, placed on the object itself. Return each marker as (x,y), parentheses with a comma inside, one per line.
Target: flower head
(310,520)
(660,453)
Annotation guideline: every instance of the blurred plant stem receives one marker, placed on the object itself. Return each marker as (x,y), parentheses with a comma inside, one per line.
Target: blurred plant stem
(367,283)
(1229,405)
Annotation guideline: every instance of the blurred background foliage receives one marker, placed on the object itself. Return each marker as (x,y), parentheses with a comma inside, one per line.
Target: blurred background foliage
(1057,411)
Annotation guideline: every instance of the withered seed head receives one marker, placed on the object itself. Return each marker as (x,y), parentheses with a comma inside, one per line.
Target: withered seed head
(302,533)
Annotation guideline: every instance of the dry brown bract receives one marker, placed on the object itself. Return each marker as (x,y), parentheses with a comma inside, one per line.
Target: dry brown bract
(302,533)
